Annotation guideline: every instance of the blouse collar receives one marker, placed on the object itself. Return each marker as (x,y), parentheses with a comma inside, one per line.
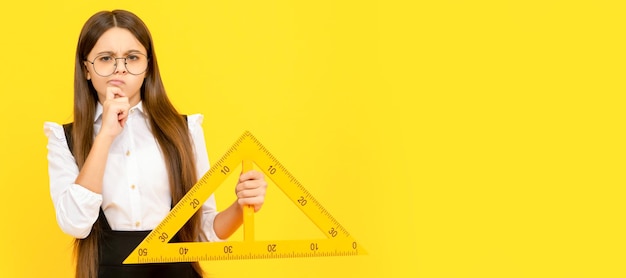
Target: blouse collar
(100,109)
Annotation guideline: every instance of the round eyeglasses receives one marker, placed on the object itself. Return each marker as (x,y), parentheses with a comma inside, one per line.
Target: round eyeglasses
(105,65)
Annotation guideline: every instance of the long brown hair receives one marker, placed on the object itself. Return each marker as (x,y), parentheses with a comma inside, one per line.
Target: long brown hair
(168,126)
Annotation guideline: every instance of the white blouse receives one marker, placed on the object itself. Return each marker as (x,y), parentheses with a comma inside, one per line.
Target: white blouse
(135,191)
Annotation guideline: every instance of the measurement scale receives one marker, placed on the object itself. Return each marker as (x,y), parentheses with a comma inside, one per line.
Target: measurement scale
(246,151)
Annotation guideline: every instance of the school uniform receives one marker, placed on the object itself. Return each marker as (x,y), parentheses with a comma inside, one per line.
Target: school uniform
(115,247)
(135,193)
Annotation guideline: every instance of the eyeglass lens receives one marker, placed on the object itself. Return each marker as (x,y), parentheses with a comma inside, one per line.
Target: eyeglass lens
(135,64)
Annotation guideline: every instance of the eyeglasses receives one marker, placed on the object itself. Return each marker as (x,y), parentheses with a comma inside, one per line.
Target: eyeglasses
(105,65)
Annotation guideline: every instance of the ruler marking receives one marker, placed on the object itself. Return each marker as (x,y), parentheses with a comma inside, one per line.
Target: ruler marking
(243,148)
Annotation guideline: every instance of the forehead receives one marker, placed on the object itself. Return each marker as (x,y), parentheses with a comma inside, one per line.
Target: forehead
(118,41)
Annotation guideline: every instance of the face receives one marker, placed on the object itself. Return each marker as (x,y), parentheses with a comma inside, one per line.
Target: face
(116,43)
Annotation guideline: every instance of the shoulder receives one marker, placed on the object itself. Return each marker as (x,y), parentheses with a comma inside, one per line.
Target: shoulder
(194,121)
(53,130)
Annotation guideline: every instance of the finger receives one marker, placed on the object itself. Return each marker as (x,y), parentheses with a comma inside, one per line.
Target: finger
(251,175)
(257,202)
(251,193)
(121,108)
(123,121)
(122,115)
(113,93)
(257,206)
(251,184)
(122,100)
(110,93)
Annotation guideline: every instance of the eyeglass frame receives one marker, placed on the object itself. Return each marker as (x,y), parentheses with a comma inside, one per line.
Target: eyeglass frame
(115,65)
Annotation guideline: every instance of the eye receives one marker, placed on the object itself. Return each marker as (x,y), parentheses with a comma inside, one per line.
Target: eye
(133,57)
(105,58)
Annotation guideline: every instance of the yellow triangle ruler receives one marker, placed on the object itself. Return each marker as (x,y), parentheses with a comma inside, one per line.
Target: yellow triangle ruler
(155,248)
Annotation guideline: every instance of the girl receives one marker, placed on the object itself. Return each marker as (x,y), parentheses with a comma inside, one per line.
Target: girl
(129,156)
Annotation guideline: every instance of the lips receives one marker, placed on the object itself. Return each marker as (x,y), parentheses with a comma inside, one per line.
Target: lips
(116,82)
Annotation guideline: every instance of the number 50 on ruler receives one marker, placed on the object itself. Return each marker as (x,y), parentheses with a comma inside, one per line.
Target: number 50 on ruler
(246,151)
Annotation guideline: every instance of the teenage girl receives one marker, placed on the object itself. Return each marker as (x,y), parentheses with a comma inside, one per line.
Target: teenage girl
(129,156)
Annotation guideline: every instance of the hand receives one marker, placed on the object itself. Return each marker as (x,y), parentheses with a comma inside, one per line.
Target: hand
(250,189)
(115,112)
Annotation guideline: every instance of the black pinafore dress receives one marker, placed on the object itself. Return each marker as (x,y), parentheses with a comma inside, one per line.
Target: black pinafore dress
(115,246)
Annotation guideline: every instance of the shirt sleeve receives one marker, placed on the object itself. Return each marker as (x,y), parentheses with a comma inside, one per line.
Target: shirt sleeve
(76,207)
(209,208)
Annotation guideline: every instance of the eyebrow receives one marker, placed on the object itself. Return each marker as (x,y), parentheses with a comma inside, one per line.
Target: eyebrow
(111,52)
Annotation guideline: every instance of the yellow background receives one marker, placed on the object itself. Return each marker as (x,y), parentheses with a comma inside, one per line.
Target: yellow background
(451,138)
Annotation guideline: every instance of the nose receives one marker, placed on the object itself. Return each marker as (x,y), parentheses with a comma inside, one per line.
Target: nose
(120,66)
